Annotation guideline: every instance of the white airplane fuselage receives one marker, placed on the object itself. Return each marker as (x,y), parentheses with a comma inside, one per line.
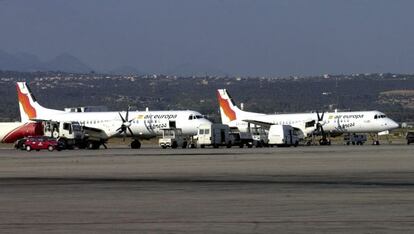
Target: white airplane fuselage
(144,124)
(333,122)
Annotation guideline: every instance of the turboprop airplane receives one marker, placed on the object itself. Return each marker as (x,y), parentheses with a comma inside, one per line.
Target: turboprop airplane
(308,123)
(104,125)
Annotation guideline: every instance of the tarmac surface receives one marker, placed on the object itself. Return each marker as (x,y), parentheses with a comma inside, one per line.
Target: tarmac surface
(331,189)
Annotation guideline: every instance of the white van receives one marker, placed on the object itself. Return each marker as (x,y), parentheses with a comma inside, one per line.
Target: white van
(283,135)
(214,135)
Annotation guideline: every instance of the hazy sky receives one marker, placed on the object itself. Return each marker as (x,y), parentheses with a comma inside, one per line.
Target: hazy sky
(239,37)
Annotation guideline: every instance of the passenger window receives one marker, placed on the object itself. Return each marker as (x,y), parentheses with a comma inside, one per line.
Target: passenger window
(207,131)
(201,131)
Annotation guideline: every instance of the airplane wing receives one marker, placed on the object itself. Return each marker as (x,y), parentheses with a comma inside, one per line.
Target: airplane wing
(95,133)
(90,129)
(261,123)
(309,123)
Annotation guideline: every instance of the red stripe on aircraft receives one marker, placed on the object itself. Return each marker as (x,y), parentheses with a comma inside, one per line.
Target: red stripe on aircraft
(27,129)
(25,102)
(224,104)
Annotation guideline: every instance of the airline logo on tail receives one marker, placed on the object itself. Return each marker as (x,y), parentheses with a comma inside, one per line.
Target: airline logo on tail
(24,103)
(225,105)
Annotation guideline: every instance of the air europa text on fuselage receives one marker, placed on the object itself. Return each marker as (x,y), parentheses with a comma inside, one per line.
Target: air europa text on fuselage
(357,116)
(167,116)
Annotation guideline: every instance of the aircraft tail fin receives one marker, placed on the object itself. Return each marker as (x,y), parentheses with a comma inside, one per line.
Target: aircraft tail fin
(228,109)
(29,107)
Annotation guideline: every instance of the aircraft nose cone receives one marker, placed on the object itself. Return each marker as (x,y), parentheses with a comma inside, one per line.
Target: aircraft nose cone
(394,124)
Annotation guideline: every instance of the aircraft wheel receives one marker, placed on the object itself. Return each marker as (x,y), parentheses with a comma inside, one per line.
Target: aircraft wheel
(184,145)
(93,145)
(135,144)
(174,145)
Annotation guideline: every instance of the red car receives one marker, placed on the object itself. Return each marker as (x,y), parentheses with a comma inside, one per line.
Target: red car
(41,142)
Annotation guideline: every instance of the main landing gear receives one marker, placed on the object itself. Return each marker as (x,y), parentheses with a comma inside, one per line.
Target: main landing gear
(135,144)
(93,145)
(324,141)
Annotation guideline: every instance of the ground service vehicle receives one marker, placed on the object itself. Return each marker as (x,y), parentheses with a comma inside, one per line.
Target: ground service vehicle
(172,137)
(283,135)
(410,137)
(355,139)
(19,144)
(214,135)
(260,137)
(241,139)
(70,134)
(41,142)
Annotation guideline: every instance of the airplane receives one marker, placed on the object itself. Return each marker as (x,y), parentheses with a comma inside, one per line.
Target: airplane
(307,123)
(105,125)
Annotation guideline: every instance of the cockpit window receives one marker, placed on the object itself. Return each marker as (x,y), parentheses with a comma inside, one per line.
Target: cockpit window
(380,116)
(191,117)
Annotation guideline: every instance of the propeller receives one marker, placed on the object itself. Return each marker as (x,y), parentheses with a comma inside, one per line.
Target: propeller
(125,124)
(319,124)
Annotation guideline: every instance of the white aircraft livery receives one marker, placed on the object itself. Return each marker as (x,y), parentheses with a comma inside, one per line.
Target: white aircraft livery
(104,125)
(330,122)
